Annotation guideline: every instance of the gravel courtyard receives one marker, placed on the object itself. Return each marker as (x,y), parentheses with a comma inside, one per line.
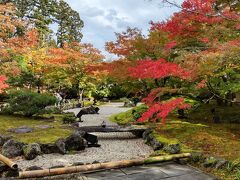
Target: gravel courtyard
(114,146)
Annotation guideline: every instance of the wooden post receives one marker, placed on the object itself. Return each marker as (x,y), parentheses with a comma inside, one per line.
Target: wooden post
(8,162)
(99,166)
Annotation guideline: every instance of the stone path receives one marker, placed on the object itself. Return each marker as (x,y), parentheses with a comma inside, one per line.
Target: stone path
(168,171)
(104,112)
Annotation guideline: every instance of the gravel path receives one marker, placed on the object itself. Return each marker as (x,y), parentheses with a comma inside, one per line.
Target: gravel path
(114,146)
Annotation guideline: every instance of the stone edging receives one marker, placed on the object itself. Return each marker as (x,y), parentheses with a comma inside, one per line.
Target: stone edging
(171,148)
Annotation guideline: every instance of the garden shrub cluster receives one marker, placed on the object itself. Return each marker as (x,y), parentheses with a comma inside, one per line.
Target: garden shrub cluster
(69,118)
(28,103)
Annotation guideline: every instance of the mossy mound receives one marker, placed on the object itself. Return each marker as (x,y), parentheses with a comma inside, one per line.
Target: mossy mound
(129,116)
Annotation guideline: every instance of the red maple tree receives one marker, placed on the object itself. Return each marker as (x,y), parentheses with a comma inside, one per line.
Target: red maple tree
(160,110)
(157,70)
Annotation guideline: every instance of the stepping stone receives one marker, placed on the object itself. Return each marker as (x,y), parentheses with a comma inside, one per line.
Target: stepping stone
(45,126)
(21,130)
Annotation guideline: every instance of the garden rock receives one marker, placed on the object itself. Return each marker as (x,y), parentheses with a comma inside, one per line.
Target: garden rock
(149,139)
(172,148)
(3,139)
(221,163)
(94,145)
(156,144)
(210,162)
(3,167)
(55,167)
(80,133)
(60,143)
(138,132)
(10,173)
(49,148)
(129,104)
(95,162)
(88,110)
(31,151)
(45,126)
(147,133)
(21,130)
(33,168)
(75,142)
(12,148)
(92,139)
(76,124)
(77,164)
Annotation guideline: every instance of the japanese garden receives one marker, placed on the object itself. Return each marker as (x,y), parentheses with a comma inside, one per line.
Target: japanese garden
(155,99)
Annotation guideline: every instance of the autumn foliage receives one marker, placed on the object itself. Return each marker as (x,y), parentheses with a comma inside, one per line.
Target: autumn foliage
(3,84)
(29,60)
(161,110)
(157,69)
(195,49)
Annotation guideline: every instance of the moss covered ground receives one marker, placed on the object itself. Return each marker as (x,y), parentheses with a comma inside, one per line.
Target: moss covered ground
(38,135)
(129,116)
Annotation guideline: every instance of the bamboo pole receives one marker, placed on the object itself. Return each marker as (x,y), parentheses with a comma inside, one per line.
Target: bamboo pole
(166,158)
(99,166)
(8,162)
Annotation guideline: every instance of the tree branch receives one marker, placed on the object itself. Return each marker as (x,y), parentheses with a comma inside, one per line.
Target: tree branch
(218,96)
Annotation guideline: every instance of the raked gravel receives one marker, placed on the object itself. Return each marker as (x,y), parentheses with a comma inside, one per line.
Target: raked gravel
(114,146)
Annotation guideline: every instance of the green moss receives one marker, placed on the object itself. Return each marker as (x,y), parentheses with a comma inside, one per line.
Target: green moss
(163,139)
(38,135)
(122,118)
(221,140)
(159,153)
(128,116)
(199,134)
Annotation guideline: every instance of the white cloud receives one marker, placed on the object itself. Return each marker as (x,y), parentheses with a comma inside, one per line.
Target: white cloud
(104,17)
(93,12)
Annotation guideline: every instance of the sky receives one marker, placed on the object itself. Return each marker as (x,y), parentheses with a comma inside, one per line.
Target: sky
(104,17)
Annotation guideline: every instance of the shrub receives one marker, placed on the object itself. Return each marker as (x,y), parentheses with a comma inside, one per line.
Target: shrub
(53,110)
(28,103)
(124,99)
(69,118)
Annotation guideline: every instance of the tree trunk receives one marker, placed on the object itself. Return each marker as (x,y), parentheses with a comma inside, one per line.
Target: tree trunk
(80,93)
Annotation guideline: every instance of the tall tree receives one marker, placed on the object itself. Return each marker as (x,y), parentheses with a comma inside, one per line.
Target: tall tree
(69,24)
(43,13)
